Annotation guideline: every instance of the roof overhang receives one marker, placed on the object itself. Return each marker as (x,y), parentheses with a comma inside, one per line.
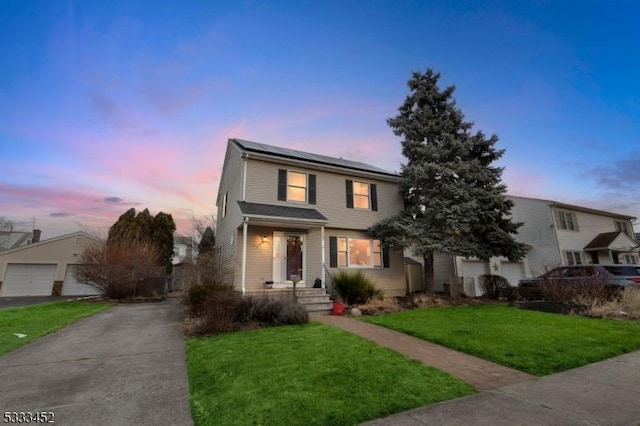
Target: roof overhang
(270,215)
(619,243)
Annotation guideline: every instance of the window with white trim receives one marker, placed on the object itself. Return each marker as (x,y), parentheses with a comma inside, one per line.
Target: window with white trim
(359,253)
(297,187)
(361,195)
(573,257)
(224,205)
(623,226)
(567,221)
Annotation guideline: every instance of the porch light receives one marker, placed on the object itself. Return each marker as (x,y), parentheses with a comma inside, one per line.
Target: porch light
(264,238)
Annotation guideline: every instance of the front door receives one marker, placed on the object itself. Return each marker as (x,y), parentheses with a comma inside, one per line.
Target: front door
(288,259)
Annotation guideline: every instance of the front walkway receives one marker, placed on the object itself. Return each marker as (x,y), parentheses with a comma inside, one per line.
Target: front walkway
(484,375)
(123,366)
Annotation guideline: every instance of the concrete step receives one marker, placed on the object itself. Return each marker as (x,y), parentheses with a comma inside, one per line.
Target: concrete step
(320,313)
(312,307)
(304,300)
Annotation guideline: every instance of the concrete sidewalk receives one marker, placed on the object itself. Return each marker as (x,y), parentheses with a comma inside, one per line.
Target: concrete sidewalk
(603,393)
(123,366)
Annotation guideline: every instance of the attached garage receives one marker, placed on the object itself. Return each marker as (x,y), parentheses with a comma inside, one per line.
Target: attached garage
(72,287)
(471,270)
(29,279)
(513,272)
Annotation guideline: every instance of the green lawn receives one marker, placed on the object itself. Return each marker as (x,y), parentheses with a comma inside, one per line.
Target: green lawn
(535,342)
(309,374)
(38,320)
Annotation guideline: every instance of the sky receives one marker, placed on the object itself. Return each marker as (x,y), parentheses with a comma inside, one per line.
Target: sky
(108,105)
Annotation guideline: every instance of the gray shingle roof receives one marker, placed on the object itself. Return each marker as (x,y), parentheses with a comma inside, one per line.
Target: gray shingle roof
(306,156)
(603,240)
(269,210)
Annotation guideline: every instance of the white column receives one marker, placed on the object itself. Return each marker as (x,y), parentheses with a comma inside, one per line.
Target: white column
(322,271)
(244,255)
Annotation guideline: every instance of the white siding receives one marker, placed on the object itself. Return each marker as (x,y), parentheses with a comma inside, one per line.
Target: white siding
(537,231)
(589,226)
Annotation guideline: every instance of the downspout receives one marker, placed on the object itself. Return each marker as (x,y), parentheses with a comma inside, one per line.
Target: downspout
(244,176)
(245,225)
(322,272)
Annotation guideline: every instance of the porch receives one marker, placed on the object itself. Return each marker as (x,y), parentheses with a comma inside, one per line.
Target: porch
(280,246)
(613,248)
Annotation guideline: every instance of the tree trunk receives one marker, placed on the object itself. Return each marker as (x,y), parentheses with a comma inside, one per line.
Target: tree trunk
(429,278)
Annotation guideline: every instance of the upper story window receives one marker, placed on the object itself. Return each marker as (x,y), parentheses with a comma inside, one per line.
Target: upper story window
(355,253)
(567,221)
(623,226)
(224,205)
(297,187)
(361,195)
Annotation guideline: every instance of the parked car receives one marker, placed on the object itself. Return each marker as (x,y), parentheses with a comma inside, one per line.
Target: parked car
(579,278)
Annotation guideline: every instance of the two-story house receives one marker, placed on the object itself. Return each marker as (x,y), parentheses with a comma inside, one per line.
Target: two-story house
(555,234)
(565,234)
(288,216)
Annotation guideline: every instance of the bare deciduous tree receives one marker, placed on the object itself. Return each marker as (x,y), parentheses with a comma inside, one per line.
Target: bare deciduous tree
(119,268)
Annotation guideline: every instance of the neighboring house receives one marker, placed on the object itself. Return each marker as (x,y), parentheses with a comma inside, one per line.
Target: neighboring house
(10,240)
(555,234)
(286,215)
(182,250)
(45,268)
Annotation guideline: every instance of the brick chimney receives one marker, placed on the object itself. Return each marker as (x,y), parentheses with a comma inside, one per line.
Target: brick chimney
(36,235)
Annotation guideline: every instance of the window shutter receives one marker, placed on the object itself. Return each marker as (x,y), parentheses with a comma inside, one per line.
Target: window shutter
(349,194)
(282,185)
(333,252)
(385,257)
(374,197)
(575,222)
(312,189)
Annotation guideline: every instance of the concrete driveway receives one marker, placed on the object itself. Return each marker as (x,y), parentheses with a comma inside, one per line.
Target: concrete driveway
(124,366)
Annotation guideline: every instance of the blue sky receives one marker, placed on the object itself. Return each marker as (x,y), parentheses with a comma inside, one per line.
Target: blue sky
(112,105)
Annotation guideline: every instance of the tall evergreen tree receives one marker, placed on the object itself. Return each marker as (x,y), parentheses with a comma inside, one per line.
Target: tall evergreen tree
(207,242)
(162,229)
(144,228)
(454,197)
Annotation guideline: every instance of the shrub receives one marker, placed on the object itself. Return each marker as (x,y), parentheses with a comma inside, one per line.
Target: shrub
(496,287)
(218,312)
(355,287)
(266,310)
(588,289)
(626,306)
(380,306)
(218,309)
(292,313)
(197,295)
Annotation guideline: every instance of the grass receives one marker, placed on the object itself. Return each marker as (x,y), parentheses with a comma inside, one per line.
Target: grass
(38,320)
(310,374)
(535,342)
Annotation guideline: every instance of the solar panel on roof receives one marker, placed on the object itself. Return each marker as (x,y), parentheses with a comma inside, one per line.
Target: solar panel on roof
(316,158)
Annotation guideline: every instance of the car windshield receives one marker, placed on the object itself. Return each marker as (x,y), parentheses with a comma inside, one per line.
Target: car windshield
(624,270)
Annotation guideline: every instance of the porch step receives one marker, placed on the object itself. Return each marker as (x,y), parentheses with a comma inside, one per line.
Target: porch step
(315,300)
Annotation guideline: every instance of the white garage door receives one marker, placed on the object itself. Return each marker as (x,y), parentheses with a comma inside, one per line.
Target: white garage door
(24,279)
(513,272)
(472,270)
(71,287)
